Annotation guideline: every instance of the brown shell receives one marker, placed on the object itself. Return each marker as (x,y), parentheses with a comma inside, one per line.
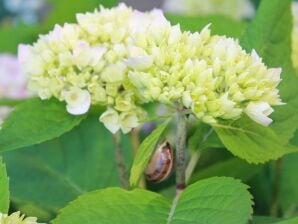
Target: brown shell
(161,163)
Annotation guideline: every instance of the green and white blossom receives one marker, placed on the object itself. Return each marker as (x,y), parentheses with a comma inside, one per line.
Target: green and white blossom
(16,218)
(122,58)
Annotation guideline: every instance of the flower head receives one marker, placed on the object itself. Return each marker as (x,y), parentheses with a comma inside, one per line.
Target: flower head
(122,58)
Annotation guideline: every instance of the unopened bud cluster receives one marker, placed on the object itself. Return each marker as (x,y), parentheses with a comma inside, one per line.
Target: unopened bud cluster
(121,58)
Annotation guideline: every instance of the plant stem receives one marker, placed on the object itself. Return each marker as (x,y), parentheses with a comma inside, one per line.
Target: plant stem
(173,208)
(122,172)
(276,188)
(192,164)
(180,152)
(196,156)
(135,143)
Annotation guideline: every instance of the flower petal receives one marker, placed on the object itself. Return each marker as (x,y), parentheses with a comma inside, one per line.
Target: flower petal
(110,119)
(78,101)
(259,112)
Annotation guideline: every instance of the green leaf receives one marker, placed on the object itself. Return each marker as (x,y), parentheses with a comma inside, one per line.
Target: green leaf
(4,189)
(288,184)
(251,141)
(36,121)
(218,200)
(294,140)
(288,221)
(204,137)
(12,36)
(10,102)
(262,189)
(221,25)
(264,220)
(144,154)
(288,196)
(49,175)
(273,220)
(33,210)
(234,167)
(114,205)
(270,34)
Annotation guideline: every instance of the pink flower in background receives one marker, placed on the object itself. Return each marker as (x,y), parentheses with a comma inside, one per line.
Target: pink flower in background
(12,82)
(12,79)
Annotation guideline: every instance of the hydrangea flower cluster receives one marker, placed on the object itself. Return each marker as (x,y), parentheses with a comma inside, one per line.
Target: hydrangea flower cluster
(13,82)
(121,58)
(238,9)
(16,218)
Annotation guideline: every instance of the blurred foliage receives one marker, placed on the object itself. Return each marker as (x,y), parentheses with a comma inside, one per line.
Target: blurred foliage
(63,168)
(221,25)
(288,188)
(61,11)
(4,188)
(244,171)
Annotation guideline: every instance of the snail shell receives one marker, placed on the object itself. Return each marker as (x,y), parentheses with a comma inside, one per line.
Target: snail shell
(161,163)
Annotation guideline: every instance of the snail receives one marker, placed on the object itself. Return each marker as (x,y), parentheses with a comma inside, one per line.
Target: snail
(161,163)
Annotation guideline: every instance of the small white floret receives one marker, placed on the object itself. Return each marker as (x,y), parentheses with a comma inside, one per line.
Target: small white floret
(78,101)
(259,112)
(111,120)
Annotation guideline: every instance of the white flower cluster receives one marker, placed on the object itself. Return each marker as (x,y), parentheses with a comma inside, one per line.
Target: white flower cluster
(238,9)
(121,58)
(16,218)
(12,82)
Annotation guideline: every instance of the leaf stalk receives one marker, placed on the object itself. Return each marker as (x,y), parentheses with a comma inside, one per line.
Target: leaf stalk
(120,161)
(180,152)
